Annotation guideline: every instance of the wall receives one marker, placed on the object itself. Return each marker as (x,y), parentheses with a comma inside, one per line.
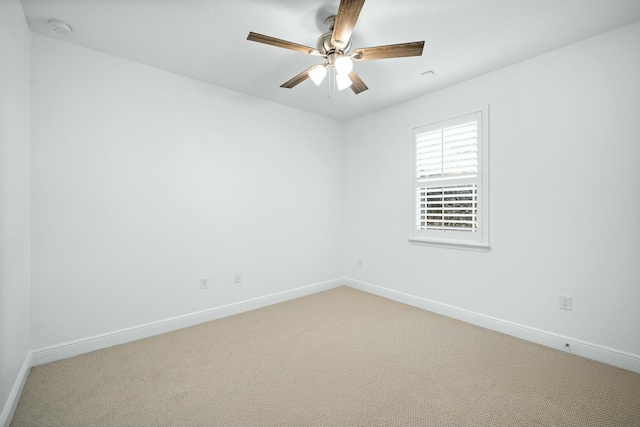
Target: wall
(564,197)
(14,202)
(145,181)
(137,193)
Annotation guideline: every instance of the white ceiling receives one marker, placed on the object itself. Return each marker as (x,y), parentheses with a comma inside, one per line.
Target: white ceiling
(206,40)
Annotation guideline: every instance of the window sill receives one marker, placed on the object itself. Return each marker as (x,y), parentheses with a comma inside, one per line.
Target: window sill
(468,246)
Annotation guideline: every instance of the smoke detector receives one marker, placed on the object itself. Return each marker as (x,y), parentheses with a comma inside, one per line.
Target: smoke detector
(59,27)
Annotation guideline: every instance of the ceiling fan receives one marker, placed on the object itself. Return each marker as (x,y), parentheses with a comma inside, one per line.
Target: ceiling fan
(335,47)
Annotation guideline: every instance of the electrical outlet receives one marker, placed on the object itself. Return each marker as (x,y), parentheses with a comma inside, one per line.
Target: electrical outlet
(565,302)
(238,278)
(359,262)
(204,283)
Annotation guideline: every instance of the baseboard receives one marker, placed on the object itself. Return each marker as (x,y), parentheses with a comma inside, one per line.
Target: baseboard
(98,342)
(610,356)
(12,402)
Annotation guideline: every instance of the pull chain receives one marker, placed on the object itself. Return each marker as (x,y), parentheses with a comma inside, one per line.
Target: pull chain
(331,94)
(335,92)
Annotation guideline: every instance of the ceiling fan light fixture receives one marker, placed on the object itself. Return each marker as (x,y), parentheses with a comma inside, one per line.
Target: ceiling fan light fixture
(343,81)
(343,65)
(318,73)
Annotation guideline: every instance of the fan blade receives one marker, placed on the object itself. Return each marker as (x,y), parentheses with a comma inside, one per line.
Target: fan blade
(357,85)
(260,38)
(389,51)
(348,13)
(298,79)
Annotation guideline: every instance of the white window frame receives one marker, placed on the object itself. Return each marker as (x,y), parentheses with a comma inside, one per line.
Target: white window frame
(478,240)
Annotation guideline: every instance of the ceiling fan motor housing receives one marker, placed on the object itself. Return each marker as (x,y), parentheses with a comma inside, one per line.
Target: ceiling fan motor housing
(324,44)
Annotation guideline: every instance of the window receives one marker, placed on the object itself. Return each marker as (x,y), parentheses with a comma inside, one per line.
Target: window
(450,182)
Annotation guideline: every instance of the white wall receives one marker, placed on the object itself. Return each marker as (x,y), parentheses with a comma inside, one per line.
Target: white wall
(564,202)
(145,181)
(14,198)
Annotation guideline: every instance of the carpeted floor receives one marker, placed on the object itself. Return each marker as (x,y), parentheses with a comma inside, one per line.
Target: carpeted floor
(336,358)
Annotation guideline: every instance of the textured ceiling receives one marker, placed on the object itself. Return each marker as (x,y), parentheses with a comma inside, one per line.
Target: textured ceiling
(206,40)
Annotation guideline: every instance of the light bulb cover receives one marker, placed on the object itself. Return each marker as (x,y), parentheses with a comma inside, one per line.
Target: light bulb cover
(343,81)
(343,65)
(318,73)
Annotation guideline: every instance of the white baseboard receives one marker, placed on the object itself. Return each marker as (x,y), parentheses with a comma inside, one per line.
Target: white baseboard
(610,356)
(12,402)
(97,342)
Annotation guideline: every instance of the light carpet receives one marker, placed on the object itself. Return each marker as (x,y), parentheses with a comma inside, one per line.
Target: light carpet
(337,358)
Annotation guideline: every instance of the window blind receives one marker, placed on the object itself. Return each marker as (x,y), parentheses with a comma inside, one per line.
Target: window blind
(453,208)
(447,151)
(446,168)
